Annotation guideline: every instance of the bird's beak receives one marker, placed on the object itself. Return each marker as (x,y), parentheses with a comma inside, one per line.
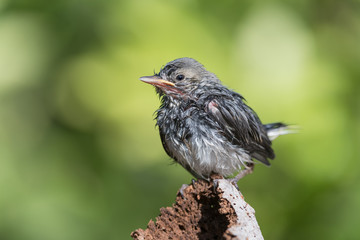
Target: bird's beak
(157,81)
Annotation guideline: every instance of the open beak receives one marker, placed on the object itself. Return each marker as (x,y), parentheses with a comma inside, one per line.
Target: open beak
(157,81)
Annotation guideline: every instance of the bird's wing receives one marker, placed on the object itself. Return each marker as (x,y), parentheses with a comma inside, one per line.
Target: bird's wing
(241,126)
(166,148)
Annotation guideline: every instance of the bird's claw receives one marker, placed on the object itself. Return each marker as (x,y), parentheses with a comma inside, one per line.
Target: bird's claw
(234,182)
(181,191)
(182,188)
(193,181)
(215,184)
(241,174)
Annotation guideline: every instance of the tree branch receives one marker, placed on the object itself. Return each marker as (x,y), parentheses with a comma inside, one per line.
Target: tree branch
(205,213)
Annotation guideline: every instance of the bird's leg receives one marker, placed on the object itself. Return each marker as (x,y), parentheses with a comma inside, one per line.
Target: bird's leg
(249,169)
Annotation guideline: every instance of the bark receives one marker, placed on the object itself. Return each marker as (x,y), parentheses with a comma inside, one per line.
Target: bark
(205,213)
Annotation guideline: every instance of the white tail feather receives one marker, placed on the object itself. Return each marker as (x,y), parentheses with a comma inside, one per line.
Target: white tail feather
(274,133)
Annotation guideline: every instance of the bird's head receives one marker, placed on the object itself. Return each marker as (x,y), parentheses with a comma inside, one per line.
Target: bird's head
(180,77)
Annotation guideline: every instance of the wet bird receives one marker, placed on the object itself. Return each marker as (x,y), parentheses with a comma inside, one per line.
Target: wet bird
(206,127)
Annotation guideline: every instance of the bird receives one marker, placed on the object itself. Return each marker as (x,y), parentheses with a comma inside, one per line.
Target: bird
(205,126)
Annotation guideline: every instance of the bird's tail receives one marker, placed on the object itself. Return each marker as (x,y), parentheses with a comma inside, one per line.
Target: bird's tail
(276,129)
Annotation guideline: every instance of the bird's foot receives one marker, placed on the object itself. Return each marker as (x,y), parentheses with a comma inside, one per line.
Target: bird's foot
(249,169)
(215,184)
(233,181)
(182,188)
(214,178)
(181,191)
(193,181)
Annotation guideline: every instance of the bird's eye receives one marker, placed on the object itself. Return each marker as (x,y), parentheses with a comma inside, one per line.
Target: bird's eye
(180,77)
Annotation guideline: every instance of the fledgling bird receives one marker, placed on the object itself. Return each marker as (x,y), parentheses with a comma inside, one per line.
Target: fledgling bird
(205,126)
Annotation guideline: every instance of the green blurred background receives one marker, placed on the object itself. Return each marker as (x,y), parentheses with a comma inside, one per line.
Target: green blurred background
(80,157)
